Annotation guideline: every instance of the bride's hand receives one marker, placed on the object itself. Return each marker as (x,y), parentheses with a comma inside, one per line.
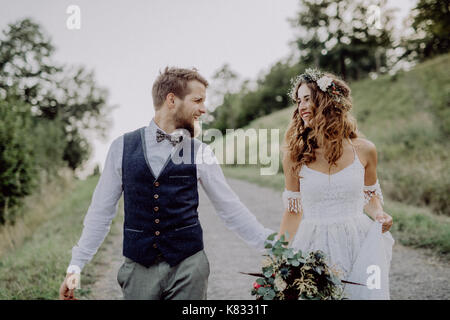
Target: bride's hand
(385,219)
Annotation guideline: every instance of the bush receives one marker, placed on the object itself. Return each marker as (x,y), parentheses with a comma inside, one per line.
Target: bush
(49,143)
(17,167)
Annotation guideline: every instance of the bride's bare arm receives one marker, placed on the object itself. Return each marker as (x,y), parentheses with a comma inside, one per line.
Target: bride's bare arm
(372,190)
(293,211)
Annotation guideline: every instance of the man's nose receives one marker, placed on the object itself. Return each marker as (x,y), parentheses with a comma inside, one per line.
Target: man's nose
(202,109)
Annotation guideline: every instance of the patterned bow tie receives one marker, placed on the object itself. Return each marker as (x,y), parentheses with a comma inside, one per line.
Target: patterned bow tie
(160,136)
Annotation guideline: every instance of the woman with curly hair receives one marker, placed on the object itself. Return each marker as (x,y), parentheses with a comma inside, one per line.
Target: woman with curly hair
(331,179)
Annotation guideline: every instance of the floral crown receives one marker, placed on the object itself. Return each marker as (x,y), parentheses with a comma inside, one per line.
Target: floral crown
(325,83)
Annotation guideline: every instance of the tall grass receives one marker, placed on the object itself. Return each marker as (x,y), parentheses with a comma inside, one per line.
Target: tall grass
(36,269)
(407,117)
(37,209)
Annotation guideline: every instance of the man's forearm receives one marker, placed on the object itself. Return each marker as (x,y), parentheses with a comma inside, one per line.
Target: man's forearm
(93,235)
(230,209)
(245,224)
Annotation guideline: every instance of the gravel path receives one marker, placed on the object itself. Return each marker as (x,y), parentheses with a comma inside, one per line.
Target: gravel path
(415,274)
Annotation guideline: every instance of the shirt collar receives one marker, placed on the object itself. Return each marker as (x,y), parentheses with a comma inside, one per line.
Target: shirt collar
(153,127)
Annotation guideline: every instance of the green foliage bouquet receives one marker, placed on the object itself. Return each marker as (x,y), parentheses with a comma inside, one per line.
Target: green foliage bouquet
(289,275)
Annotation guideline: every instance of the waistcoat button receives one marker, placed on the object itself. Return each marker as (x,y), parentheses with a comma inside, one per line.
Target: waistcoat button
(156,208)
(157,233)
(156,196)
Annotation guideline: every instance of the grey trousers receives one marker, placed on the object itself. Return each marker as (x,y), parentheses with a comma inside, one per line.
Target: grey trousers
(186,281)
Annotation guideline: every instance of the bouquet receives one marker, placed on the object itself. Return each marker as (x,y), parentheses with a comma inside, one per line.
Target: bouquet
(289,275)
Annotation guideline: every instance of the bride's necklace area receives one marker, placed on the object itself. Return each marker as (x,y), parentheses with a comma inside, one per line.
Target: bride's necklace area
(318,165)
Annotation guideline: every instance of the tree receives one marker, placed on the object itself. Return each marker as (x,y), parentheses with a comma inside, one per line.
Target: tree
(224,80)
(224,87)
(69,94)
(350,38)
(17,167)
(430,36)
(268,94)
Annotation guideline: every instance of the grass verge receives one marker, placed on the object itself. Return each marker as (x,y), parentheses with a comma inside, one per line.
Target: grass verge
(36,269)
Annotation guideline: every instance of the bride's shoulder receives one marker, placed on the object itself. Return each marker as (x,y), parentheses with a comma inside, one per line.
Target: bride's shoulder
(363,143)
(290,174)
(366,148)
(288,162)
(287,158)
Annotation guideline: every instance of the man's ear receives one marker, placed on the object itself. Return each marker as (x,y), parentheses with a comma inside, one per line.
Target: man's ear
(170,99)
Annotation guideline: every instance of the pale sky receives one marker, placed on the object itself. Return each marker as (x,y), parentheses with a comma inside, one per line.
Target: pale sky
(128,42)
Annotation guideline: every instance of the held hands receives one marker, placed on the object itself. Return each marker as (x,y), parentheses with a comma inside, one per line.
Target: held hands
(385,219)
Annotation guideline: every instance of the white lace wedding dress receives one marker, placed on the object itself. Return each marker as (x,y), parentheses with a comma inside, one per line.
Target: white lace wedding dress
(333,221)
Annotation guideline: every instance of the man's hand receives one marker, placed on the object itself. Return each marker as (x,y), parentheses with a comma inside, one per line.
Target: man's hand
(66,291)
(385,219)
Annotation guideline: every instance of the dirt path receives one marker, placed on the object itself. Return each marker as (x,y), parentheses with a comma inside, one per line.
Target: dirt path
(414,273)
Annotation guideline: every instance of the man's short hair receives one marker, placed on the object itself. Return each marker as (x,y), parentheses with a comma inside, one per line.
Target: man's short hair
(174,80)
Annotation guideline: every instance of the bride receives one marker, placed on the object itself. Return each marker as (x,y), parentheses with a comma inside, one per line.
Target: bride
(330,177)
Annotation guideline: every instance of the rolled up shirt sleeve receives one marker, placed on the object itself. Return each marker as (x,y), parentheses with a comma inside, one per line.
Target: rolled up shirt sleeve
(228,206)
(103,208)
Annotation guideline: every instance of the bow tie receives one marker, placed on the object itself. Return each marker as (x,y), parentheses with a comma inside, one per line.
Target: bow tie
(160,136)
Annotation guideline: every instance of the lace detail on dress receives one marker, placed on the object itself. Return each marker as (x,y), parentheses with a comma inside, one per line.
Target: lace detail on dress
(292,201)
(373,190)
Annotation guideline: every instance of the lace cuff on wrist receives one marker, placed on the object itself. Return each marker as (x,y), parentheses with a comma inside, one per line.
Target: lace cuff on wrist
(292,201)
(373,190)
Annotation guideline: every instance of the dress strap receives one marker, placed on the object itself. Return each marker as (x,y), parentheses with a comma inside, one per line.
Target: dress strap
(355,155)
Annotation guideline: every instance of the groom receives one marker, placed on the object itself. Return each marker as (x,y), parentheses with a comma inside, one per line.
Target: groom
(163,243)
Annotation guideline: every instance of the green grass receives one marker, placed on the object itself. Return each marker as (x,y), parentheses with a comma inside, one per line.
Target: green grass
(36,269)
(408,118)
(252,174)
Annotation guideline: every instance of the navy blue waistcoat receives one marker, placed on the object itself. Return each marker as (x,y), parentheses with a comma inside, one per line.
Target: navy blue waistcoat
(161,215)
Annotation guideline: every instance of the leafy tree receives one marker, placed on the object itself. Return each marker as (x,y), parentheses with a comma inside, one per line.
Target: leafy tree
(69,94)
(225,85)
(430,22)
(254,100)
(17,167)
(224,80)
(350,38)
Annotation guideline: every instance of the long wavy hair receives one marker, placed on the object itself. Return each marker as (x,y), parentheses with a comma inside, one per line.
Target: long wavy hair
(331,122)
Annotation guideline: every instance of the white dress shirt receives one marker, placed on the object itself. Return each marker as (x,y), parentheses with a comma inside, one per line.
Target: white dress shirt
(103,207)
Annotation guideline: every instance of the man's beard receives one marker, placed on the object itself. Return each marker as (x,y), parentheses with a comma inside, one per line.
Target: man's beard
(190,125)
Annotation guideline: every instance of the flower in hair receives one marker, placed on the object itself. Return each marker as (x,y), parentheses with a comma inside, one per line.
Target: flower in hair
(324,82)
